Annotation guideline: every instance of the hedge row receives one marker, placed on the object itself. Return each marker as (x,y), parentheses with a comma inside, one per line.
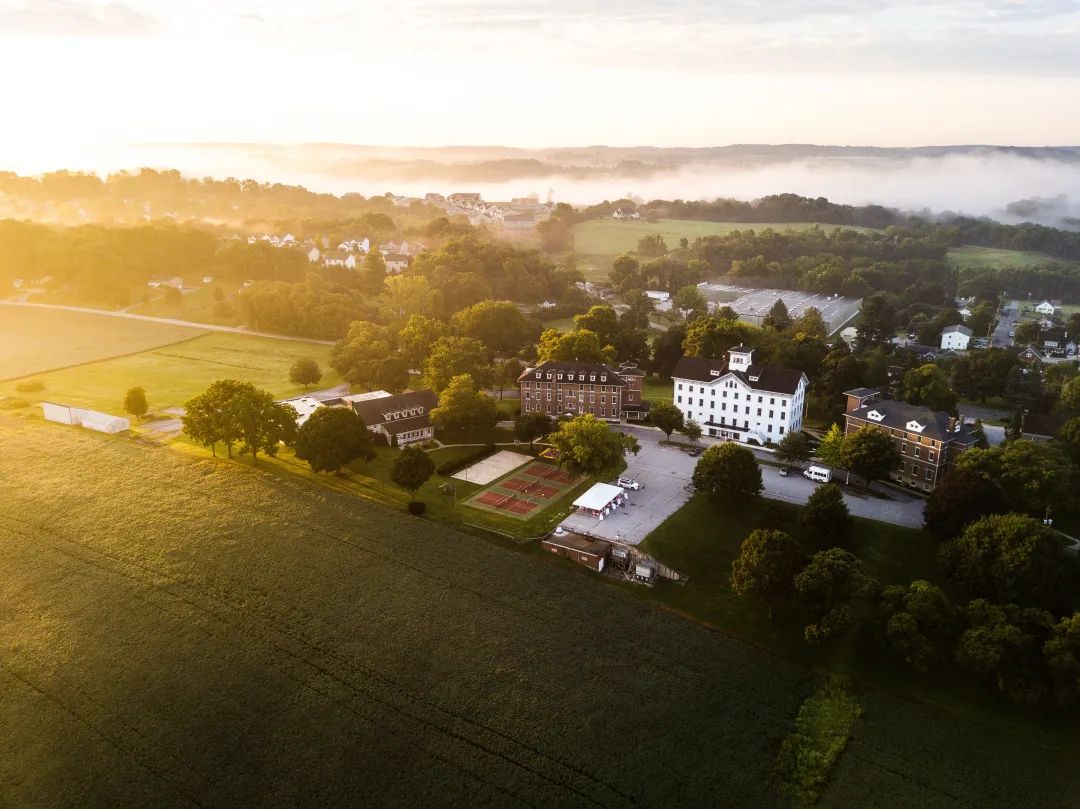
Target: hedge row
(456,465)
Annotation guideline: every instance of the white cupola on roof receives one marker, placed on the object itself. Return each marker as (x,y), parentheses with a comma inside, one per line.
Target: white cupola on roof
(740,357)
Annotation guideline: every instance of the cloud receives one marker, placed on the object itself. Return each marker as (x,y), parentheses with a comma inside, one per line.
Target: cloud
(71,18)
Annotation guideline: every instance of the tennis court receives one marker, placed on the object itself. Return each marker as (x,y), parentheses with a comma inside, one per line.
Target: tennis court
(526,491)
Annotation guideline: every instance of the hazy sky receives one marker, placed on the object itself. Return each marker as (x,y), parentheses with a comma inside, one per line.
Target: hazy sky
(80,74)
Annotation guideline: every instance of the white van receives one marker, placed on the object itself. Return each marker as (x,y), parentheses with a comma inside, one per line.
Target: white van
(818,474)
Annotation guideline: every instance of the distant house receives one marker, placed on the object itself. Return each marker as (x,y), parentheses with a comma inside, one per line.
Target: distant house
(956,338)
(658,295)
(176,282)
(965,313)
(1052,341)
(1029,355)
(314,254)
(922,353)
(626,213)
(402,419)
(396,262)
(339,258)
(1046,308)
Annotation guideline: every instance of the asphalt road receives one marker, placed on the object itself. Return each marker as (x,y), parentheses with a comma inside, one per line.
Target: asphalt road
(1006,323)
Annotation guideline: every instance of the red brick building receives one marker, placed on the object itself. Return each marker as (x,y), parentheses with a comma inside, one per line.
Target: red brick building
(573,388)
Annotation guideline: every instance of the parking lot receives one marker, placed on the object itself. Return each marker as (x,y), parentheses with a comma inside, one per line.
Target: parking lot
(666,473)
(753,304)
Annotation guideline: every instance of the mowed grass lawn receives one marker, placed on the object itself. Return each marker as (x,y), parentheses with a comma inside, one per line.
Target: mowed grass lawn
(35,340)
(994,258)
(173,374)
(598,241)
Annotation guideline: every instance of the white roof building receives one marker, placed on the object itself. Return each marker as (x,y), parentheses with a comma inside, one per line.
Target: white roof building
(1045,308)
(304,407)
(601,499)
(956,337)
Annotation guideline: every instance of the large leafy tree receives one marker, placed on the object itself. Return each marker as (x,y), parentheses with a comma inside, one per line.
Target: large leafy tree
(499,325)
(601,320)
(778,317)
(261,423)
(1032,475)
(1013,558)
(840,371)
(811,324)
(582,345)
(830,450)
(667,417)
(928,386)
(690,301)
(837,589)
(463,407)
(870,453)
(305,372)
(589,446)
(917,624)
(358,354)
(406,295)
(667,350)
(454,356)
(793,448)
(209,417)
(135,402)
(1062,655)
(331,438)
(412,468)
(877,321)
(418,336)
(825,520)
(729,473)
(766,566)
(1003,644)
(713,336)
(531,425)
(1068,436)
(960,498)
(979,374)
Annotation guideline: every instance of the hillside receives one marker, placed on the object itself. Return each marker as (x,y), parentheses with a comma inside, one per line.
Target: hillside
(193,633)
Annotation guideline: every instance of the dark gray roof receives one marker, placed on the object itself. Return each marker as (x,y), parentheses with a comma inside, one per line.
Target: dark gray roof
(960,328)
(897,415)
(383,411)
(862,393)
(573,367)
(768,377)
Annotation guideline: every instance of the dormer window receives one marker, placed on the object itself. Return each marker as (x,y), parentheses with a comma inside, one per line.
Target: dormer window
(755,378)
(714,373)
(915,427)
(560,376)
(876,415)
(549,375)
(603,377)
(538,375)
(592,377)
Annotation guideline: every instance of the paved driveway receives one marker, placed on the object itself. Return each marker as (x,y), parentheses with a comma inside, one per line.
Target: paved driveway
(667,471)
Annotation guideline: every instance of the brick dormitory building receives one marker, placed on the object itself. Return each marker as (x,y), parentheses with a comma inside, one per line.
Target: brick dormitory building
(573,388)
(929,442)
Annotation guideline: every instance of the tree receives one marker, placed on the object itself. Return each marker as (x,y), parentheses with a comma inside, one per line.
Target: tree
(870,453)
(1070,396)
(916,623)
(794,448)
(418,336)
(961,497)
(825,520)
(1068,436)
(690,301)
(811,324)
(581,345)
(209,417)
(305,372)
(357,355)
(778,317)
(602,321)
(1062,656)
(1027,332)
(691,429)
(393,374)
(840,371)
(1003,643)
(261,423)
(836,588)
(1013,558)
(651,246)
(667,350)
(1032,475)
(373,272)
(454,356)
(625,274)
(831,449)
(979,432)
(877,321)
(403,296)
(463,407)
(499,325)
(980,374)
(928,385)
(532,424)
(667,417)
(135,402)
(766,564)
(411,469)
(507,373)
(589,446)
(729,473)
(333,437)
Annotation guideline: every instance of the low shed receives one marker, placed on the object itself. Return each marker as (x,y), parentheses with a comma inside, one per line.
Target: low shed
(592,553)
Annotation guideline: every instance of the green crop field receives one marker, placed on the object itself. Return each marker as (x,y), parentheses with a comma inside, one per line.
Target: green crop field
(598,241)
(992,258)
(33,340)
(173,374)
(188,632)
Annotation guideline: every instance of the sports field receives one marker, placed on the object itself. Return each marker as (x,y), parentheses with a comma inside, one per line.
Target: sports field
(173,374)
(189,632)
(35,340)
(598,241)
(526,492)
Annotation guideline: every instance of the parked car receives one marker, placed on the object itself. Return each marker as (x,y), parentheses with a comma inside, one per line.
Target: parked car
(629,483)
(783,471)
(693,452)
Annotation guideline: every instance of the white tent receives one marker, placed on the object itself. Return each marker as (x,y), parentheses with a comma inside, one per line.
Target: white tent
(104,423)
(599,498)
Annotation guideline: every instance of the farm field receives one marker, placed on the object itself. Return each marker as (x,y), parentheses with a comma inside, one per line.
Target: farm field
(994,258)
(173,374)
(597,241)
(197,304)
(246,639)
(37,340)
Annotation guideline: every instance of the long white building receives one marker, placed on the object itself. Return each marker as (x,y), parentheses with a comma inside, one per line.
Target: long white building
(738,399)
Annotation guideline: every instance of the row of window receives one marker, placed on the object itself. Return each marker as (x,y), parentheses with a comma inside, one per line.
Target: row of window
(603,388)
(601,411)
(734,408)
(570,376)
(570,397)
(723,394)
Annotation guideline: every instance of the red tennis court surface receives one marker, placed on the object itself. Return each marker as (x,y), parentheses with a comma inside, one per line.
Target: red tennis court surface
(505,502)
(539,470)
(532,487)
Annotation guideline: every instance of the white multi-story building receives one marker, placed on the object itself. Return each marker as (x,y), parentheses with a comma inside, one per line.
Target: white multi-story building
(738,399)
(956,337)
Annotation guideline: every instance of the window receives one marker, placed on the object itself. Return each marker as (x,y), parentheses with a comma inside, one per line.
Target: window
(712,405)
(771,414)
(917,452)
(678,399)
(759,411)
(929,473)
(772,400)
(680,386)
(781,430)
(930,456)
(700,402)
(759,400)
